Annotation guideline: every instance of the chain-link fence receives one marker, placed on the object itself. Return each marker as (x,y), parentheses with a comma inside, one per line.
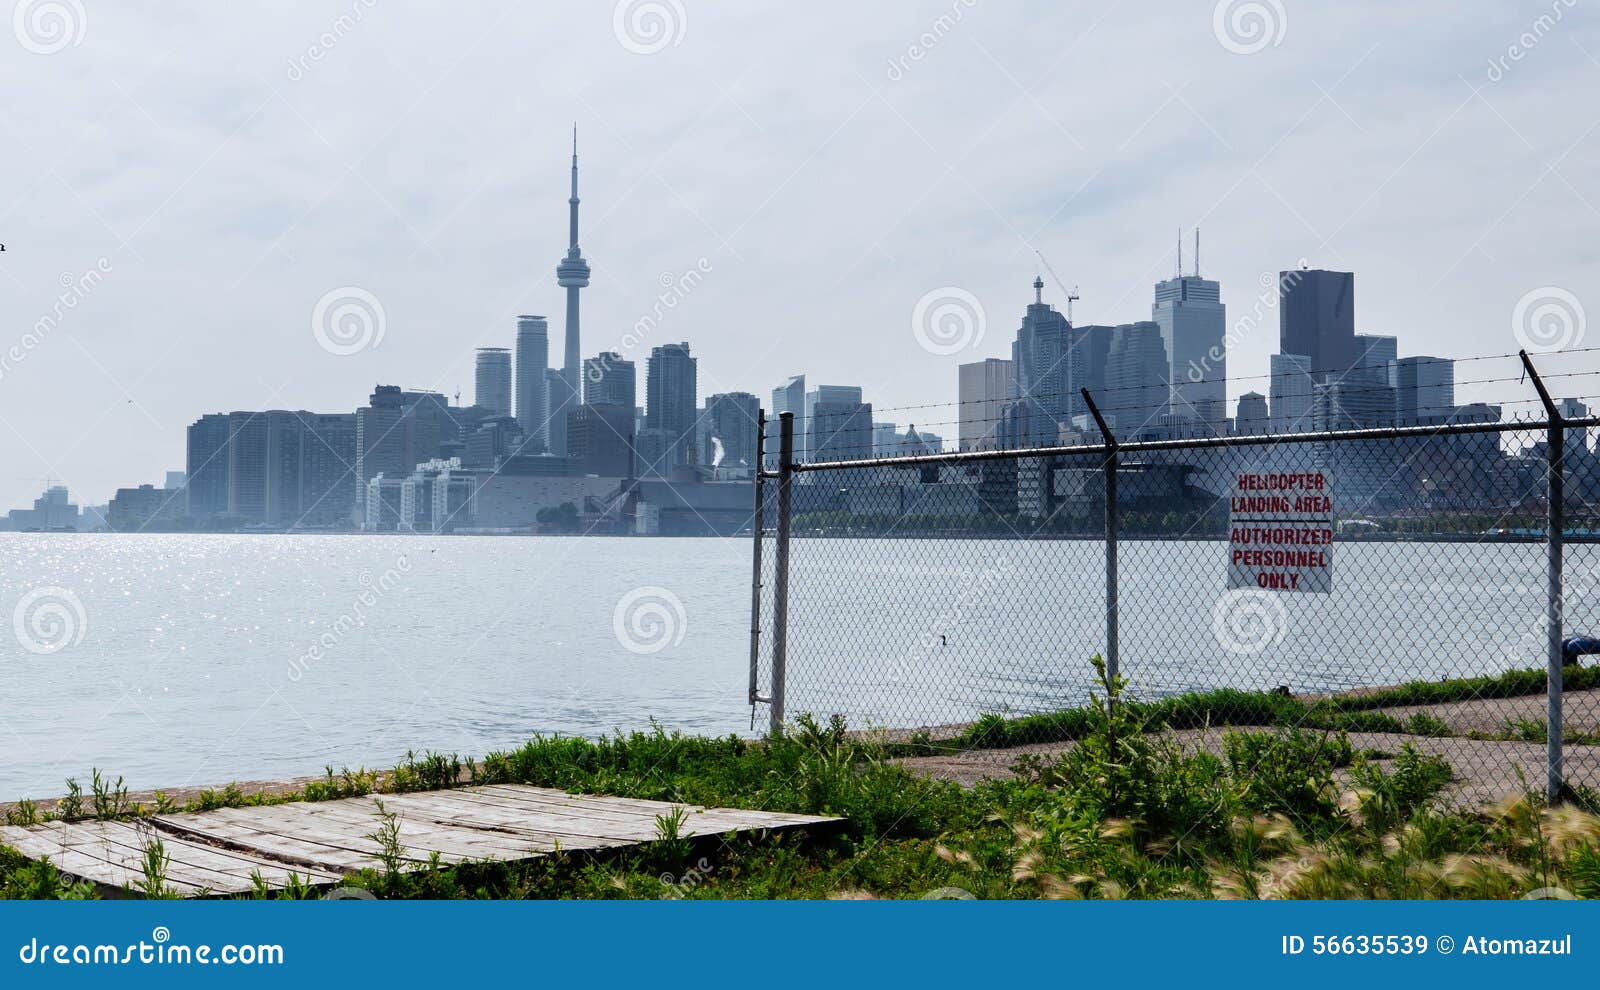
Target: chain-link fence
(1395,585)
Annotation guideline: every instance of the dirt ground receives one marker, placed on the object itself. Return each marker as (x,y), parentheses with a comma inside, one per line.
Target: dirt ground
(1485,771)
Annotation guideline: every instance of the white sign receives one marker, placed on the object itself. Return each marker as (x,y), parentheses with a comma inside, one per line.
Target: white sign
(1280,531)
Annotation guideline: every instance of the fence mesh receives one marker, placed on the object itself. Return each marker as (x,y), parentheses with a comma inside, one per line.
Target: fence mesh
(959,602)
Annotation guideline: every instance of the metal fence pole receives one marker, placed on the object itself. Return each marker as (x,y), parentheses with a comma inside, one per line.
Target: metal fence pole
(1113,647)
(757,525)
(1555,783)
(780,578)
(1555,539)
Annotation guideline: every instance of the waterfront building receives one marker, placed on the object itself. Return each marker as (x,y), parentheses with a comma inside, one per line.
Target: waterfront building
(145,508)
(397,430)
(52,511)
(206,493)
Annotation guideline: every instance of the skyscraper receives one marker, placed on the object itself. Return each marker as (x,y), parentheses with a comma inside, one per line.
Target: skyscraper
(207,466)
(600,439)
(1290,392)
(839,423)
(1091,346)
(1375,353)
(609,380)
(1041,369)
(1136,395)
(671,402)
(730,422)
(1252,416)
(1193,323)
(558,403)
(1425,390)
(492,383)
(982,387)
(572,274)
(1316,318)
(789,397)
(533,357)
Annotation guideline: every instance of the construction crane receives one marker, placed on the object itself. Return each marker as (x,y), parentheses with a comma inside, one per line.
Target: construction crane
(1072,293)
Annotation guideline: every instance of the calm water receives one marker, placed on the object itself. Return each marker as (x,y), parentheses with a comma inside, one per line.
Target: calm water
(189,661)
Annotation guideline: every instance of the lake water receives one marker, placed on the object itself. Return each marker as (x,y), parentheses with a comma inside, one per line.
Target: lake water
(199,659)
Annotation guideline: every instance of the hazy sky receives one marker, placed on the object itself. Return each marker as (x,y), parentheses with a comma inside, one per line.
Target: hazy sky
(220,170)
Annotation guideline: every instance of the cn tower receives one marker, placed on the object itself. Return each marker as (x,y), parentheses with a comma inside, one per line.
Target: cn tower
(572,274)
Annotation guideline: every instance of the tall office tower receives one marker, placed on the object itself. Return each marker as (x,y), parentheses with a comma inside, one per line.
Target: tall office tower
(1316,318)
(609,380)
(1252,416)
(886,439)
(559,401)
(600,439)
(671,402)
(572,274)
(730,422)
(1375,355)
(533,357)
(492,383)
(1136,394)
(981,388)
(841,425)
(1425,390)
(1042,368)
(1091,346)
(789,397)
(1290,391)
(207,466)
(1193,323)
(1351,403)
(836,396)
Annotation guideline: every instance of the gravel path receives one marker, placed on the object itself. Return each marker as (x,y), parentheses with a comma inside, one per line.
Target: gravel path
(1485,771)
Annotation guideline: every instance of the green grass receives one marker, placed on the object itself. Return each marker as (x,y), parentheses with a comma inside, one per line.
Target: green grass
(1287,808)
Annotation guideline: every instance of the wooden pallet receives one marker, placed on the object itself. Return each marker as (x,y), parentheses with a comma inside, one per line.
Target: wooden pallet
(219,852)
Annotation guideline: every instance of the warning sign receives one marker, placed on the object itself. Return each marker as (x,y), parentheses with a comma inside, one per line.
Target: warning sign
(1280,531)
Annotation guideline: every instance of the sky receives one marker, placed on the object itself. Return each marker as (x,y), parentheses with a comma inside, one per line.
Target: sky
(196,199)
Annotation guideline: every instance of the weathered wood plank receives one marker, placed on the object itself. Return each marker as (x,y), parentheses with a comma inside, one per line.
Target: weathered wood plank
(218,852)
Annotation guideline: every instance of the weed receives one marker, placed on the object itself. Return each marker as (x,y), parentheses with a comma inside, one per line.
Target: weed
(155,863)
(110,799)
(70,807)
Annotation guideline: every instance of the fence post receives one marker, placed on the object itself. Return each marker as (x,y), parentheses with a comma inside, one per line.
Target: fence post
(1555,539)
(757,526)
(1113,649)
(780,578)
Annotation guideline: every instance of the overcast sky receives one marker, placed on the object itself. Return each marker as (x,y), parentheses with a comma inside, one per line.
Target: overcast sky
(824,165)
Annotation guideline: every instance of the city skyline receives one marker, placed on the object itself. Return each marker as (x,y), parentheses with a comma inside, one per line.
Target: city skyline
(216,252)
